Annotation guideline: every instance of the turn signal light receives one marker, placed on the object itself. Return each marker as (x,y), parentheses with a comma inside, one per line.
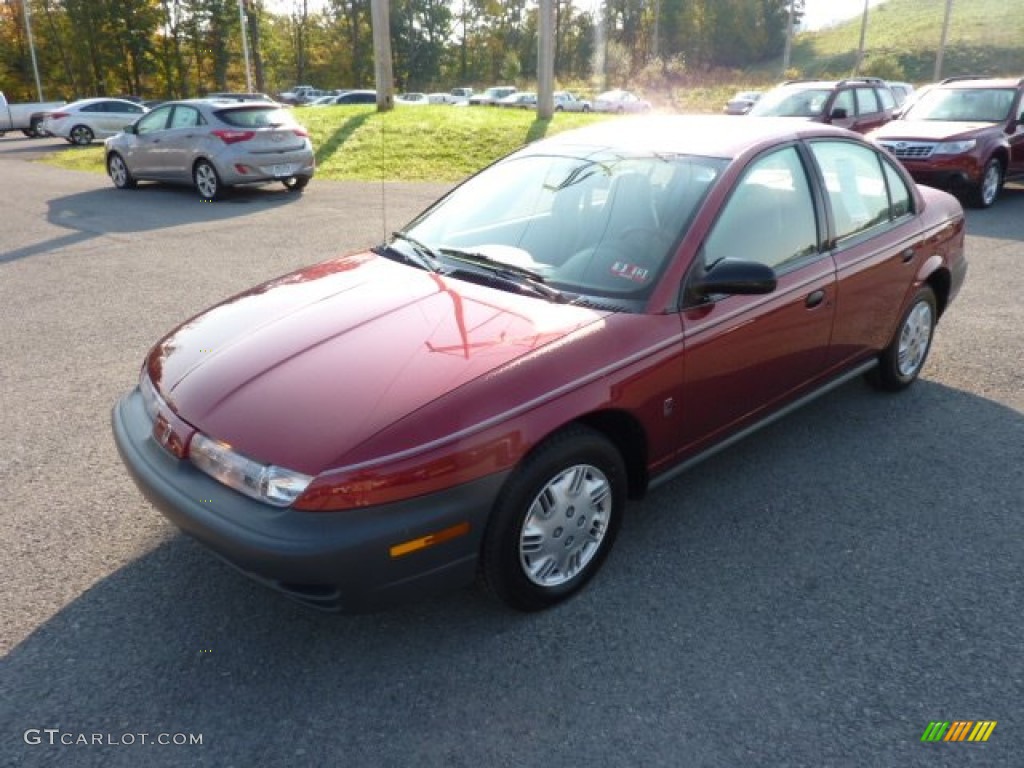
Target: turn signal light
(414,545)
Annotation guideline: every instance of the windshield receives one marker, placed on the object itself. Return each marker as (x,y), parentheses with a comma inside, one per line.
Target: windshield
(596,223)
(989,105)
(792,101)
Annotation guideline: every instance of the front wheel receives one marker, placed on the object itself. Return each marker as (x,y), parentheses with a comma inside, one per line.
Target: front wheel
(900,363)
(556,520)
(119,173)
(81,135)
(207,182)
(986,192)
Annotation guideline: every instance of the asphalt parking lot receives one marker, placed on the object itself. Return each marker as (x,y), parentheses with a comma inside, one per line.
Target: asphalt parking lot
(814,596)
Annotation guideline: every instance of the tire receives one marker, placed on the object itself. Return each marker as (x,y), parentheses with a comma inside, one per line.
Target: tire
(900,363)
(29,132)
(207,181)
(118,171)
(81,135)
(296,183)
(986,192)
(555,520)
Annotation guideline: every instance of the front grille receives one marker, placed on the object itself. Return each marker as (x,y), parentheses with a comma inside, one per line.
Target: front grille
(915,150)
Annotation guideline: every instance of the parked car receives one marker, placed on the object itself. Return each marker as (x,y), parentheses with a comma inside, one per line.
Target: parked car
(358,96)
(566,330)
(860,104)
(965,134)
(567,102)
(212,145)
(412,99)
(519,100)
(302,94)
(82,121)
(27,118)
(901,91)
(620,102)
(324,101)
(492,95)
(741,103)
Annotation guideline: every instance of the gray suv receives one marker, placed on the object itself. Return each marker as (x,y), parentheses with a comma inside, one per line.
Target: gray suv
(860,104)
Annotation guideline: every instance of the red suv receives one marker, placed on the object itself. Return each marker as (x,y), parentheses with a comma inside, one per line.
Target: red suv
(860,104)
(965,134)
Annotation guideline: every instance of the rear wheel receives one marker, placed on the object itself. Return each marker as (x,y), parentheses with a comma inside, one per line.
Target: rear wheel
(81,135)
(119,172)
(556,520)
(986,192)
(207,181)
(900,363)
(296,183)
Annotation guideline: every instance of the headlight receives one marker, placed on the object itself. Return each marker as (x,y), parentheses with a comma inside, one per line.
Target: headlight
(954,147)
(265,482)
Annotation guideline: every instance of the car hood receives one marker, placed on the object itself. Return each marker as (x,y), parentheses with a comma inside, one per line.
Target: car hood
(301,370)
(927,130)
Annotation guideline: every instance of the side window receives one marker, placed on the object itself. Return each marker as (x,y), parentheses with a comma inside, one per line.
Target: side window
(94,107)
(899,193)
(867,101)
(855,185)
(769,216)
(886,98)
(844,100)
(184,117)
(154,121)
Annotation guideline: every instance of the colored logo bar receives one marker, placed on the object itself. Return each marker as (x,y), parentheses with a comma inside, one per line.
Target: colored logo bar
(959,730)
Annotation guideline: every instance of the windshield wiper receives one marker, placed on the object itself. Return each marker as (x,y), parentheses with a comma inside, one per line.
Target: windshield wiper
(422,255)
(520,276)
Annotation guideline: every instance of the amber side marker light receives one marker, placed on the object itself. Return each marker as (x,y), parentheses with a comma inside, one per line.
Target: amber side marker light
(414,545)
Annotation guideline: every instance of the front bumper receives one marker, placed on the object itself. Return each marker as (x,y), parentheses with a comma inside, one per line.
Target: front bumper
(951,172)
(328,560)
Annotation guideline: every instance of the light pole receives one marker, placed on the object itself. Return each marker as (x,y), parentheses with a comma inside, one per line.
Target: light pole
(243,22)
(942,42)
(32,47)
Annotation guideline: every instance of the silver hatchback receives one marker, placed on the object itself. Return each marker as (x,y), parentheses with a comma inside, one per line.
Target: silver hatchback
(212,145)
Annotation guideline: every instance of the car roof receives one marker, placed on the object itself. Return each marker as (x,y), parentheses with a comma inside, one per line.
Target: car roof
(702,135)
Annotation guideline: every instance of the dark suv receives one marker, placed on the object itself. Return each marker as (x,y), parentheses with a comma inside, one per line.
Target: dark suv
(860,104)
(965,134)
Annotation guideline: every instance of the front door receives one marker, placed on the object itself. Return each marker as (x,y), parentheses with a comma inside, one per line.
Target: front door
(745,355)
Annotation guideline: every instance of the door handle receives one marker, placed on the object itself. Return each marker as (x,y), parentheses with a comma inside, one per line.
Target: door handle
(814,298)
(907,255)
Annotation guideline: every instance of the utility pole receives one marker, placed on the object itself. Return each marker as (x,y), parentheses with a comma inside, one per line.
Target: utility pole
(242,22)
(863,34)
(32,47)
(546,60)
(942,42)
(382,71)
(789,40)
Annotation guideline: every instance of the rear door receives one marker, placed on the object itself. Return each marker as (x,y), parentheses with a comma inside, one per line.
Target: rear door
(876,241)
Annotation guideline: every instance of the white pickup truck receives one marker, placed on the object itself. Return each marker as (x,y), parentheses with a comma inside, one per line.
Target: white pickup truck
(25,117)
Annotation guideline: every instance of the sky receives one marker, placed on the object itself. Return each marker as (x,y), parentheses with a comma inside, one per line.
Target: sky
(821,13)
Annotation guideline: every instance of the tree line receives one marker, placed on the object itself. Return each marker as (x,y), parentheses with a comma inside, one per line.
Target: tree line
(182,48)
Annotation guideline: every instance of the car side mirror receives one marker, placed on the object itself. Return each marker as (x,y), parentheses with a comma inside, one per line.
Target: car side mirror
(839,113)
(130,128)
(735,276)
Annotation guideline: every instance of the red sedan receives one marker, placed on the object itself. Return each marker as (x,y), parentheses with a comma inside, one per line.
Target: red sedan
(564,331)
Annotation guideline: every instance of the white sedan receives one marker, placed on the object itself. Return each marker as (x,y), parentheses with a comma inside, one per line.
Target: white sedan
(567,102)
(86,119)
(620,101)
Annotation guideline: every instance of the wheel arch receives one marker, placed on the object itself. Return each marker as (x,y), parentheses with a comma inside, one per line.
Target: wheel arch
(941,283)
(624,431)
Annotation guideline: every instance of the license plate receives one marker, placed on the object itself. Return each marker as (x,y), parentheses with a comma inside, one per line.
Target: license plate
(281,170)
